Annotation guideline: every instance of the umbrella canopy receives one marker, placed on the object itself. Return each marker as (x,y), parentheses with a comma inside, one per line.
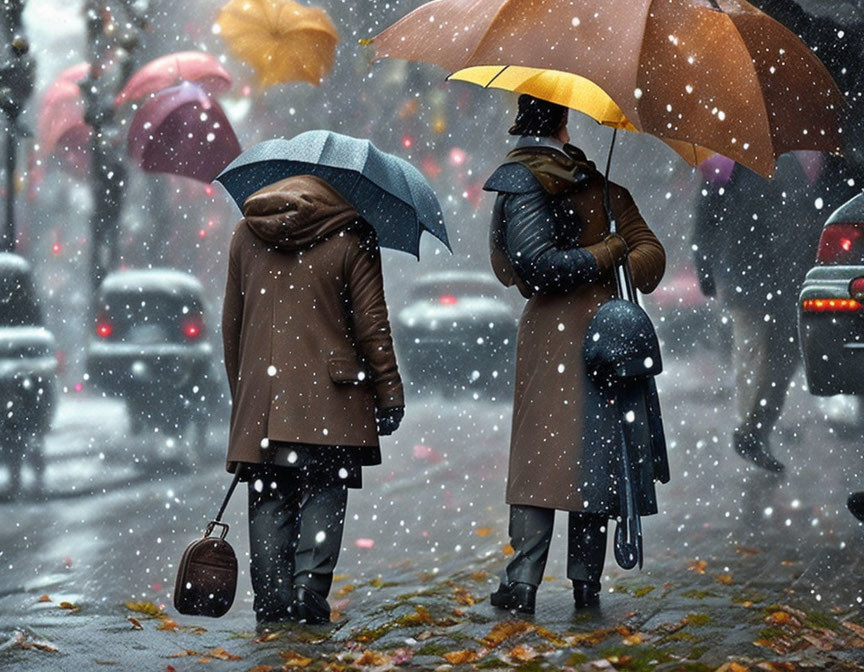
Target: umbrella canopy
(61,129)
(282,40)
(712,74)
(182,131)
(173,69)
(386,190)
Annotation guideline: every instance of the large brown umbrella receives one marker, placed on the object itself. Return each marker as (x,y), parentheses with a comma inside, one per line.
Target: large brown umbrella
(715,74)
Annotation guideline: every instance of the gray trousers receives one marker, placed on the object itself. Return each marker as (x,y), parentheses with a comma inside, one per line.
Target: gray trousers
(295,535)
(531,533)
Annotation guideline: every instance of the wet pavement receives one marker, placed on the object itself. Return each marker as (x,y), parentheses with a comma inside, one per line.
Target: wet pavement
(744,570)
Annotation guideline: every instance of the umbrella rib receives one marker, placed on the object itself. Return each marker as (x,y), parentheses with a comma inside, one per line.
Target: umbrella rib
(491,81)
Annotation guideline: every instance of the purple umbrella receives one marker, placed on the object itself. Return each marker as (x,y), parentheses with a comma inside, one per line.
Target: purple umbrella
(183,132)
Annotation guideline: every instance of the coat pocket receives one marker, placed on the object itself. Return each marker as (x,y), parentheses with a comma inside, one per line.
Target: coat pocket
(346,370)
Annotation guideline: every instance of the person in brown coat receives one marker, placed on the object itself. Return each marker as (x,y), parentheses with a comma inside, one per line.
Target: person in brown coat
(313,380)
(550,238)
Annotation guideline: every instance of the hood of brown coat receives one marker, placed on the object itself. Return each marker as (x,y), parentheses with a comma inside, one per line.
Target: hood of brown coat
(297,212)
(557,171)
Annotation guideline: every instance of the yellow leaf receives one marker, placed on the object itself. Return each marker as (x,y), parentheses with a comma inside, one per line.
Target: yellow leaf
(464,656)
(508,550)
(146,608)
(184,654)
(633,639)
(340,577)
(168,624)
(699,567)
(268,637)
(44,598)
(68,605)
(483,531)
(262,668)
(501,632)
(371,658)
(344,590)
(480,577)
(294,659)
(725,579)
(732,667)
(222,654)
(136,624)
(523,653)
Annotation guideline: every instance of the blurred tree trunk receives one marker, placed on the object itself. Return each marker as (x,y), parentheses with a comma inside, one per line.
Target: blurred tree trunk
(17,75)
(113,36)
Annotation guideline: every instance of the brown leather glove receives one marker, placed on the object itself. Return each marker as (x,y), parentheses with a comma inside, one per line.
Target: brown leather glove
(617,246)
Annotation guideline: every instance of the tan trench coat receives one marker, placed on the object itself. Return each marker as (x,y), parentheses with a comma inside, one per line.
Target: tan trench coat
(550,435)
(306,336)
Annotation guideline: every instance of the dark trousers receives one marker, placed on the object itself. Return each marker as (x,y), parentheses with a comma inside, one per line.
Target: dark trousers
(531,533)
(295,535)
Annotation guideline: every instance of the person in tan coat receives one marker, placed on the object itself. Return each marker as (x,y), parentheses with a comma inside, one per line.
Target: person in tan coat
(313,380)
(550,238)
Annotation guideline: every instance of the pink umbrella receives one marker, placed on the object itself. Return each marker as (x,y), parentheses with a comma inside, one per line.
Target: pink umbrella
(182,131)
(173,69)
(61,128)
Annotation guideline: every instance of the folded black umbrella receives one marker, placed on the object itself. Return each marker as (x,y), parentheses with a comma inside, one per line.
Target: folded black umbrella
(390,193)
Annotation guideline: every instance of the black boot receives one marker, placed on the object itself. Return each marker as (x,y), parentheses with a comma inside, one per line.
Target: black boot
(752,448)
(586,594)
(310,607)
(515,595)
(856,505)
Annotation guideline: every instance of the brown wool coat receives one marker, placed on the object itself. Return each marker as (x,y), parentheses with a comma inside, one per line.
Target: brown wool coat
(552,441)
(306,337)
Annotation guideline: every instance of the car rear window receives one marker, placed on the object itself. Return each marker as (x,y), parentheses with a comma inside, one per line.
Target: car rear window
(154,316)
(842,244)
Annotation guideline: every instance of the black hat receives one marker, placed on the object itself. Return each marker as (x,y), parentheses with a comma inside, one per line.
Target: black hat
(538,117)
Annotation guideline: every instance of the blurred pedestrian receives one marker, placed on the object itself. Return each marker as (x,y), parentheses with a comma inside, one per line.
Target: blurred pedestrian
(313,379)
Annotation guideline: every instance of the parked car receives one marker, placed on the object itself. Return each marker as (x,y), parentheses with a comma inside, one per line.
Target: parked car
(28,371)
(149,346)
(831,306)
(457,332)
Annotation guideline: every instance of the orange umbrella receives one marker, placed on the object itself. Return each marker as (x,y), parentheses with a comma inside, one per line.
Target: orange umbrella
(715,74)
(282,40)
(173,69)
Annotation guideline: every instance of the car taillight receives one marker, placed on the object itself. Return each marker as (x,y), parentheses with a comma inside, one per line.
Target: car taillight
(193,329)
(104,329)
(841,244)
(830,305)
(448,300)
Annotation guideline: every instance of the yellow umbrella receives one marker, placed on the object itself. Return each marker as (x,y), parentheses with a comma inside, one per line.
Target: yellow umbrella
(282,40)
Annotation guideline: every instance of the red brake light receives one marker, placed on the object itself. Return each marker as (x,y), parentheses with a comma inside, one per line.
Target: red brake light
(104,329)
(830,305)
(193,329)
(841,244)
(448,300)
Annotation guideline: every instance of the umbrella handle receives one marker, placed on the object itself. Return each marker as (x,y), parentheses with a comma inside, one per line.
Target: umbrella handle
(623,275)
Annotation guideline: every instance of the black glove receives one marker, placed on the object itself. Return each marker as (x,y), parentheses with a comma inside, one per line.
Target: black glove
(389,419)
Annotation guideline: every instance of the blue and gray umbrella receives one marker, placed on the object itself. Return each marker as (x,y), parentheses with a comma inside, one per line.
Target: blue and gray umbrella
(390,193)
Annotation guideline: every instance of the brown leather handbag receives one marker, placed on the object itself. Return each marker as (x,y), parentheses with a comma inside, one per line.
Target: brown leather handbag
(207,575)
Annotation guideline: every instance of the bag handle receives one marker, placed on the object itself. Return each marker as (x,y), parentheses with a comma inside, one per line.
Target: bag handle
(218,520)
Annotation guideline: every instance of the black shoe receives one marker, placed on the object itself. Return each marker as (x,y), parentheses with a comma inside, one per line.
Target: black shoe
(856,505)
(310,607)
(753,449)
(586,594)
(515,595)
